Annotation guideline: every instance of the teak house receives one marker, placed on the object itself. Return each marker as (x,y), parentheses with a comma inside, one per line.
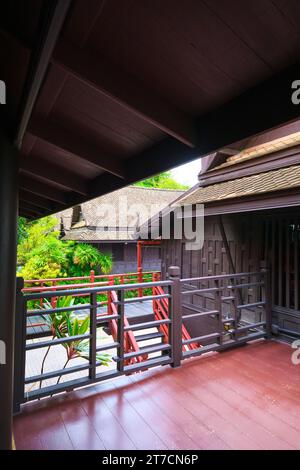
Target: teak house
(100,95)
(252,221)
(101,223)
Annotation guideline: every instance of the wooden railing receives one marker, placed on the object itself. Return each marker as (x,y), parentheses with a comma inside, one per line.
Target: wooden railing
(221,303)
(93,280)
(129,357)
(214,297)
(52,284)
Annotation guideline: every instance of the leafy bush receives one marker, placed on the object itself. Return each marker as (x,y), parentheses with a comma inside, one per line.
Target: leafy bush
(41,254)
(86,257)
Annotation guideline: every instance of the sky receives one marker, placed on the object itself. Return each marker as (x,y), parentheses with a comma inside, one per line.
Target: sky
(187,173)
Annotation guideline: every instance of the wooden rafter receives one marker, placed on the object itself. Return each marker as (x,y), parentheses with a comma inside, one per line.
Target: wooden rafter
(127,90)
(60,138)
(33,186)
(55,174)
(52,24)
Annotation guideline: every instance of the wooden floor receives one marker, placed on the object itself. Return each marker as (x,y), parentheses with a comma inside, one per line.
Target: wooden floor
(246,398)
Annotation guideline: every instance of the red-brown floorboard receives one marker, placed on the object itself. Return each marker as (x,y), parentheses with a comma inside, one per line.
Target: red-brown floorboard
(244,398)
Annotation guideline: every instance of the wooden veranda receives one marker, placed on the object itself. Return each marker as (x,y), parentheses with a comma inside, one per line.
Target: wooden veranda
(98,100)
(245,398)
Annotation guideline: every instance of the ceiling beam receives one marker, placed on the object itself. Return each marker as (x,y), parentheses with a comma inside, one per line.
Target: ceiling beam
(263,107)
(27,214)
(55,135)
(266,106)
(125,89)
(33,186)
(53,173)
(33,210)
(37,201)
(52,21)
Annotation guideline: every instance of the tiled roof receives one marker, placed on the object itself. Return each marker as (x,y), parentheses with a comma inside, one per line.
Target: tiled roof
(103,217)
(275,180)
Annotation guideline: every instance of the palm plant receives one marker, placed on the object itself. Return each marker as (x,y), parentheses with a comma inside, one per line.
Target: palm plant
(79,347)
(65,324)
(56,322)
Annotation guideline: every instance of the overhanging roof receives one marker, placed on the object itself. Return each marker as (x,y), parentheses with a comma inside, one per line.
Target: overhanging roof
(271,181)
(101,94)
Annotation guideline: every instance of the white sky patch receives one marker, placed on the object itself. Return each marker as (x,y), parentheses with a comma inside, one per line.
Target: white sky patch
(187,173)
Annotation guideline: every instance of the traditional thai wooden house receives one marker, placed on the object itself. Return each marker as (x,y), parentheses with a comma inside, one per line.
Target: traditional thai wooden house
(101,95)
(107,224)
(252,220)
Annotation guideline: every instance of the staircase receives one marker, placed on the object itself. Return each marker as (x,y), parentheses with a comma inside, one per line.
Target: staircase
(148,339)
(161,309)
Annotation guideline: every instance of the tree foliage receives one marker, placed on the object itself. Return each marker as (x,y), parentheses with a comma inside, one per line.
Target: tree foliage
(41,253)
(162,181)
(22,233)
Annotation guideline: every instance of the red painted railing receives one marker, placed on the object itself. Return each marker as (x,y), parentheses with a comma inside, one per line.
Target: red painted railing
(130,343)
(161,309)
(93,280)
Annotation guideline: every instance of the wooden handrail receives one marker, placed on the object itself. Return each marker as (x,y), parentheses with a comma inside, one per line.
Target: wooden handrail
(81,278)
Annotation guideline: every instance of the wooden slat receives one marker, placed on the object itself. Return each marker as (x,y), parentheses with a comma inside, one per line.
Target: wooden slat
(280,262)
(296,266)
(287,264)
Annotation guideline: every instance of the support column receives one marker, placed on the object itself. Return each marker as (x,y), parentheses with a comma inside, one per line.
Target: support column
(176,314)
(8,243)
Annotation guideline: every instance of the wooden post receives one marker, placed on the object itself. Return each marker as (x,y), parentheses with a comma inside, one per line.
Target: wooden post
(110,283)
(20,344)
(120,339)
(139,266)
(54,299)
(218,306)
(92,276)
(93,333)
(267,297)
(175,313)
(8,251)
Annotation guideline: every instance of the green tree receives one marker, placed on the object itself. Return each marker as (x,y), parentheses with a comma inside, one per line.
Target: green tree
(162,181)
(22,232)
(41,253)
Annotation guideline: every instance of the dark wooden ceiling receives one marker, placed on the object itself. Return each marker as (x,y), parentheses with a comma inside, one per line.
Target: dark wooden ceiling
(135,87)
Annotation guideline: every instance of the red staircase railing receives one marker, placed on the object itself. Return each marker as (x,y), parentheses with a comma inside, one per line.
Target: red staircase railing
(160,306)
(53,284)
(130,343)
(161,311)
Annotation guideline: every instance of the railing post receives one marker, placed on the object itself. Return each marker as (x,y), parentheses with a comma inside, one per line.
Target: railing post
(110,283)
(92,275)
(20,344)
(175,312)
(218,306)
(140,279)
(266,293)
(120,338)
(93,333)
(154,306)
(54,299)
